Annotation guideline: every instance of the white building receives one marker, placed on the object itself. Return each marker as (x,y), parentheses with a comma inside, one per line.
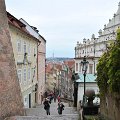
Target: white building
(93,49)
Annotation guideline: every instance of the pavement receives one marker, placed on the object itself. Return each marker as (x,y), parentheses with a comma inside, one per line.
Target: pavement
(38,113)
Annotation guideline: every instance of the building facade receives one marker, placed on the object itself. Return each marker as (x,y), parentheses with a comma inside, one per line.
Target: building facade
(25,54)
(93,48)
(41,60)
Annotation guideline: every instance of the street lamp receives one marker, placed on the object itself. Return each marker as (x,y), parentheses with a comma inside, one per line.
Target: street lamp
(93,37)
(84,69)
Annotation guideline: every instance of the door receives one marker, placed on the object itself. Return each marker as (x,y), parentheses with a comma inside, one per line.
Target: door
(30,100)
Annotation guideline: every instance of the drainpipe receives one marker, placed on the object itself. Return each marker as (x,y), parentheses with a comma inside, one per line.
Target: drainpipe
(37,58)
(37,72)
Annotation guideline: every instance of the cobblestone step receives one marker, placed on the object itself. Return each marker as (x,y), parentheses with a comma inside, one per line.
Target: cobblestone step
(50,117)
(38,113)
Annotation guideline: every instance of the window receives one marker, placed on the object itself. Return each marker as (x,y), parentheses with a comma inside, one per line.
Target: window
(79,67)
(76,66)
(25,101)
(29,73)
(29,49)
(24,75)
(90,68)
(91,49)
(19,45)
(83,51)
(19,75)
(25,50)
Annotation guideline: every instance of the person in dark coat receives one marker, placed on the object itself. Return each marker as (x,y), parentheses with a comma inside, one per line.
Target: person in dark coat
(60,108)
(47,106)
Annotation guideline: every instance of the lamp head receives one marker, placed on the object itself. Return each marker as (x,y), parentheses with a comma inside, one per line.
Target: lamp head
(84,64)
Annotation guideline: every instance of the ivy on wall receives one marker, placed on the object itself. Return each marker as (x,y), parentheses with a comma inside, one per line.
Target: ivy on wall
(108,68)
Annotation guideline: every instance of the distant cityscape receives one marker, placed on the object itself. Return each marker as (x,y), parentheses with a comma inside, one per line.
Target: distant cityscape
(58,59)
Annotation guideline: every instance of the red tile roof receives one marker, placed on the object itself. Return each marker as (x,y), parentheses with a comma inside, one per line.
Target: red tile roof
(59,66)
(19,25)
(49,68)
(70,63)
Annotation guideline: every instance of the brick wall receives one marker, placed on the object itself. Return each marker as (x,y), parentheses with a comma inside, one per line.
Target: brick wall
(10,95)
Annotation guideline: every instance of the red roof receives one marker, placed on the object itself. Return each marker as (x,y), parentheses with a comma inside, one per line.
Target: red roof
(59,66)
(49,68)
(19,25)
(70,63)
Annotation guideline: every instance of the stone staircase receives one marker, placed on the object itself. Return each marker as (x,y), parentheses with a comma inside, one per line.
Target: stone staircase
(38,113)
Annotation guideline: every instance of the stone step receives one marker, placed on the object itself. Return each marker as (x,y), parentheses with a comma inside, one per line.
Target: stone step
(38,113)
(49,117)
(53,110)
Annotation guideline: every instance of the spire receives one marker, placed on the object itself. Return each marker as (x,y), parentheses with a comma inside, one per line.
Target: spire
(118,11)
(119,4)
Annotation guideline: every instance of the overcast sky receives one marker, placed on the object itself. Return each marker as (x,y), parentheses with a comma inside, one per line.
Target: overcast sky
(64,22)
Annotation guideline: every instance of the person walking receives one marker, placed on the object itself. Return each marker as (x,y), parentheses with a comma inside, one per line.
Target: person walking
(54,97)
(58,98)
(60,108)
(47,106)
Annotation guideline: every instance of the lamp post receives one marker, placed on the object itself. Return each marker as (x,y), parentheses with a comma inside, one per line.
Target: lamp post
(93,37)
(84,69)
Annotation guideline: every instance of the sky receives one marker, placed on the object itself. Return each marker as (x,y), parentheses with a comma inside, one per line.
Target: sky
(64,22)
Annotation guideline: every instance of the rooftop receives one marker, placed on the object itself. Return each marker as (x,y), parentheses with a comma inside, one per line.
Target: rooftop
(90,78)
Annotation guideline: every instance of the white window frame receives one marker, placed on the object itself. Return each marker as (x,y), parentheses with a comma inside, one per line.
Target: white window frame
(26,101)
(25,47)
(29,74)
(91,68)
(24,75)
(29,49)
(19,46)
(79,67)
(19,72)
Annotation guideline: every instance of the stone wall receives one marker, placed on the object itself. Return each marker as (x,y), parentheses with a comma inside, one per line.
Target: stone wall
(110,107)
(10,95)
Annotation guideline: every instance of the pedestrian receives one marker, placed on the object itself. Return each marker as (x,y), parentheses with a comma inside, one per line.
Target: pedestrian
(58,98)
(60,108)
(54,98)
(45,94)
(47,106)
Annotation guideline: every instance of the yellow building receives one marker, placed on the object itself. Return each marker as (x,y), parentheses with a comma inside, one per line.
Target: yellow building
(41,60)
(25,53)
